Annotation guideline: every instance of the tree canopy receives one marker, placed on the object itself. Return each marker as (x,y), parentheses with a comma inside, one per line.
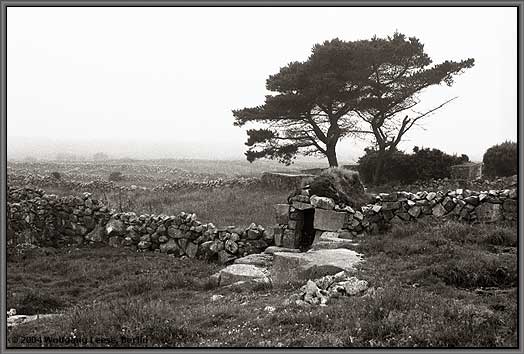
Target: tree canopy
(344,88)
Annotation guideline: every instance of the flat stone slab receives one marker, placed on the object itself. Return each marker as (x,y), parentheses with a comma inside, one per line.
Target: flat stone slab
(274,249)
(259,259)
(328,245)
(18,319)
(331,240)
(241,272)
(290,267)
(328,220)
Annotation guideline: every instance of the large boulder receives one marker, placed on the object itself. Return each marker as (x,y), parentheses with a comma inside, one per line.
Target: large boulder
(241,272)
(341,185)
(257,259)
(290,267)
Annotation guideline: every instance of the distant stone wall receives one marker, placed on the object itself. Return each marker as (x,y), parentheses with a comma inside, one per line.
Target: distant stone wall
(287,181)
(318,171)
(445,184)
(313,171)
(394,208)
(468,171)
(99,185)
(36,218)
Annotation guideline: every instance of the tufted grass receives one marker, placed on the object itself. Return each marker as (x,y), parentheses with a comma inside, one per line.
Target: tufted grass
(444,285)
(239,206)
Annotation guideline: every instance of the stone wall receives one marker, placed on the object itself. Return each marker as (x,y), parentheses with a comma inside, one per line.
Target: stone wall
(34,217)
(287,181)
(394,208)
(318,171)
(100,185)
(468,171)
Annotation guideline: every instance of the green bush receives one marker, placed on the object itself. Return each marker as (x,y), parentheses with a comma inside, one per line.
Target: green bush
(56,175)
(501,160)
(422,164)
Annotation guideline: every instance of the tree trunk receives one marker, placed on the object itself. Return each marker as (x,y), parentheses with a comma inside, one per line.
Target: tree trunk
(379,167)
(332,155)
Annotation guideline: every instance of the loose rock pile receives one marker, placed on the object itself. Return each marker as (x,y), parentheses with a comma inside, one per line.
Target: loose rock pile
(319,291)
(34,217)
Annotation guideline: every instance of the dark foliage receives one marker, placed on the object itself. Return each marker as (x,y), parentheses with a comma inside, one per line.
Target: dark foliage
(501,160)
(423,164)
(341,87)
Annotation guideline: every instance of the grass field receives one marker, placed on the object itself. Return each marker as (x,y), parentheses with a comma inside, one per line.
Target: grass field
(152,172)
(451,285)
(443,285)
(239,206)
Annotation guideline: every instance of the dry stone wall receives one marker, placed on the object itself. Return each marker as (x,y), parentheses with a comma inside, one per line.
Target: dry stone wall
(100,185)
(467,171)
(209,184)
(40,181)
(389,208)
(34,217)
(287,181)
(445,184)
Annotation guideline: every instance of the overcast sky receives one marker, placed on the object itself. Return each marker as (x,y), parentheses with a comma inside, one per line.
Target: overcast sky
(161,82)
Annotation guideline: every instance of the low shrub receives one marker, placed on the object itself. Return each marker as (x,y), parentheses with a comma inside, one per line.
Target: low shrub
(423,164)
(501,160)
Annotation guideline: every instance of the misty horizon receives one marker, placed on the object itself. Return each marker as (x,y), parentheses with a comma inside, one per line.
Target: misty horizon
(154,92)
(20,148)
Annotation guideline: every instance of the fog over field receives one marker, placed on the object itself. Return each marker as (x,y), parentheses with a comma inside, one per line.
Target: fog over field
(167,88)
(225,149)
